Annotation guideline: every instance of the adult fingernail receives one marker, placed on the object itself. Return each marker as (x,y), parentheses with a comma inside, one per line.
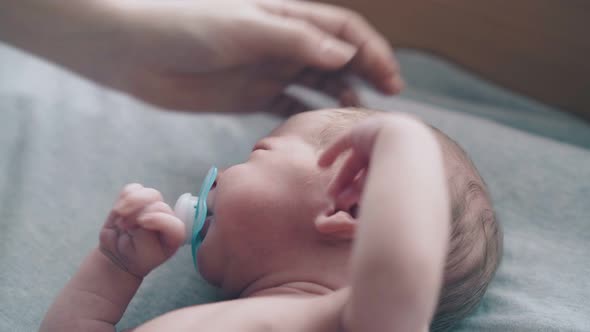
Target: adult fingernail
(394,84)
(336,52)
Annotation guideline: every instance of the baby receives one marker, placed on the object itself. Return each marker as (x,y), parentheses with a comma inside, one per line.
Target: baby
(340,220)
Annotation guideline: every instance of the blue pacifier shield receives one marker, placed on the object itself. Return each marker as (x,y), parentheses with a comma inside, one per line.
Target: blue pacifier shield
(201,212)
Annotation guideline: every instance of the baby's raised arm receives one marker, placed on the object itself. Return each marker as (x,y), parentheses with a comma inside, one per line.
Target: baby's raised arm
(140,233)
(400,249)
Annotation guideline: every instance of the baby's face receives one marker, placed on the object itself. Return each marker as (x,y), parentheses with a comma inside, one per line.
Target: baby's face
(264,208)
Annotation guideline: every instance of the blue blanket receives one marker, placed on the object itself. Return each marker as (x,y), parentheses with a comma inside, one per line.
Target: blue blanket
(67,147)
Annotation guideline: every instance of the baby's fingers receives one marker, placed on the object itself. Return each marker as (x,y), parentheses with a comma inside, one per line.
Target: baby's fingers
(129,188)
(171,229)
(347,173)
(133,201)
(361,138)
(340,145)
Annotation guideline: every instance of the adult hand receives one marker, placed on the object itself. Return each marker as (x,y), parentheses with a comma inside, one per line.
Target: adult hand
(240,55)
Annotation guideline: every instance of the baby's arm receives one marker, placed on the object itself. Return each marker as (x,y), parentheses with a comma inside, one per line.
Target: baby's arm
(401,244)
(140,233)
(94,299)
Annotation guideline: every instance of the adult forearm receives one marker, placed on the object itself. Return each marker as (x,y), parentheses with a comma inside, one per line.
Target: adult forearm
(94,299)
(66,32)
(402,239)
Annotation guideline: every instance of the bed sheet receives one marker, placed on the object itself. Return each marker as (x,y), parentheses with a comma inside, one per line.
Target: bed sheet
(67,147)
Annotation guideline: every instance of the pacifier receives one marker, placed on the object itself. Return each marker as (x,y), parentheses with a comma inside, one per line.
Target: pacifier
(192,210)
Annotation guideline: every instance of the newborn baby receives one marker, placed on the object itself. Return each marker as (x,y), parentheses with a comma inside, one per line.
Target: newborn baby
(340,220)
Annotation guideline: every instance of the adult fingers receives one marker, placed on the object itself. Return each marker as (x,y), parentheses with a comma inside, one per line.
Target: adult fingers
(374,59)
(286,106)
(333,84)
(302,42)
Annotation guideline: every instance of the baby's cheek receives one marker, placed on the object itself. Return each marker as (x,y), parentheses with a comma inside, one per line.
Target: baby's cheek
(247,208)
(246,186)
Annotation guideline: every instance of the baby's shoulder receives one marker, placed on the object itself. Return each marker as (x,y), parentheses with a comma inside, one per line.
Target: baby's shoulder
(268,313)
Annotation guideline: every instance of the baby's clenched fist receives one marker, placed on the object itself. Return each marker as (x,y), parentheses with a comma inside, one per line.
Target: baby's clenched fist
(141,232)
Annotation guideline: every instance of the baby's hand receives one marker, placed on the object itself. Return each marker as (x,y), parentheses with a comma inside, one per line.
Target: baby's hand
(141,231)
(360,140)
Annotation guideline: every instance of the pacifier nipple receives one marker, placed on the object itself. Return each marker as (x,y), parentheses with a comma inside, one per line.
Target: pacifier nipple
(192,210)
(185,210)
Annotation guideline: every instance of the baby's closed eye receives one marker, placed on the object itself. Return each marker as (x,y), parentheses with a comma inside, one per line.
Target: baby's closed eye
(261,145)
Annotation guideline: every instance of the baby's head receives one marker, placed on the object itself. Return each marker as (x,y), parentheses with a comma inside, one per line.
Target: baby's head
(275,225)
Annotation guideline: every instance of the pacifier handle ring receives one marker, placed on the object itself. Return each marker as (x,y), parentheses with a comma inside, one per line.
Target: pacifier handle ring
(201,212)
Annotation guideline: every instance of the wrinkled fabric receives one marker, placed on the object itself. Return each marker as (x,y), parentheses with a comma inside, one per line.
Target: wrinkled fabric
(67,147)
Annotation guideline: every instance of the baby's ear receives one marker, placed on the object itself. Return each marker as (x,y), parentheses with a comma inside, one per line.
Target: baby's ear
(340,222)
(339,225)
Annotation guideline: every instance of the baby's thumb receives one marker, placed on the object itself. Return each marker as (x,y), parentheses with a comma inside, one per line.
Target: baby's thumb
(171,229)
(305,43)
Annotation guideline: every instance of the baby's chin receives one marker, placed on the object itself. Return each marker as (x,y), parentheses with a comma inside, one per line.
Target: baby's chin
(206,270)
(209,260)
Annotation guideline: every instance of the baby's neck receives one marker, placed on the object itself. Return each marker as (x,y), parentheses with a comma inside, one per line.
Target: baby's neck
(299,288)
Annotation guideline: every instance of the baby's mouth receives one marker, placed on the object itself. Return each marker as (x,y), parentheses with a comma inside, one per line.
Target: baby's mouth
(205,228)
(210,218)
(211,200)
